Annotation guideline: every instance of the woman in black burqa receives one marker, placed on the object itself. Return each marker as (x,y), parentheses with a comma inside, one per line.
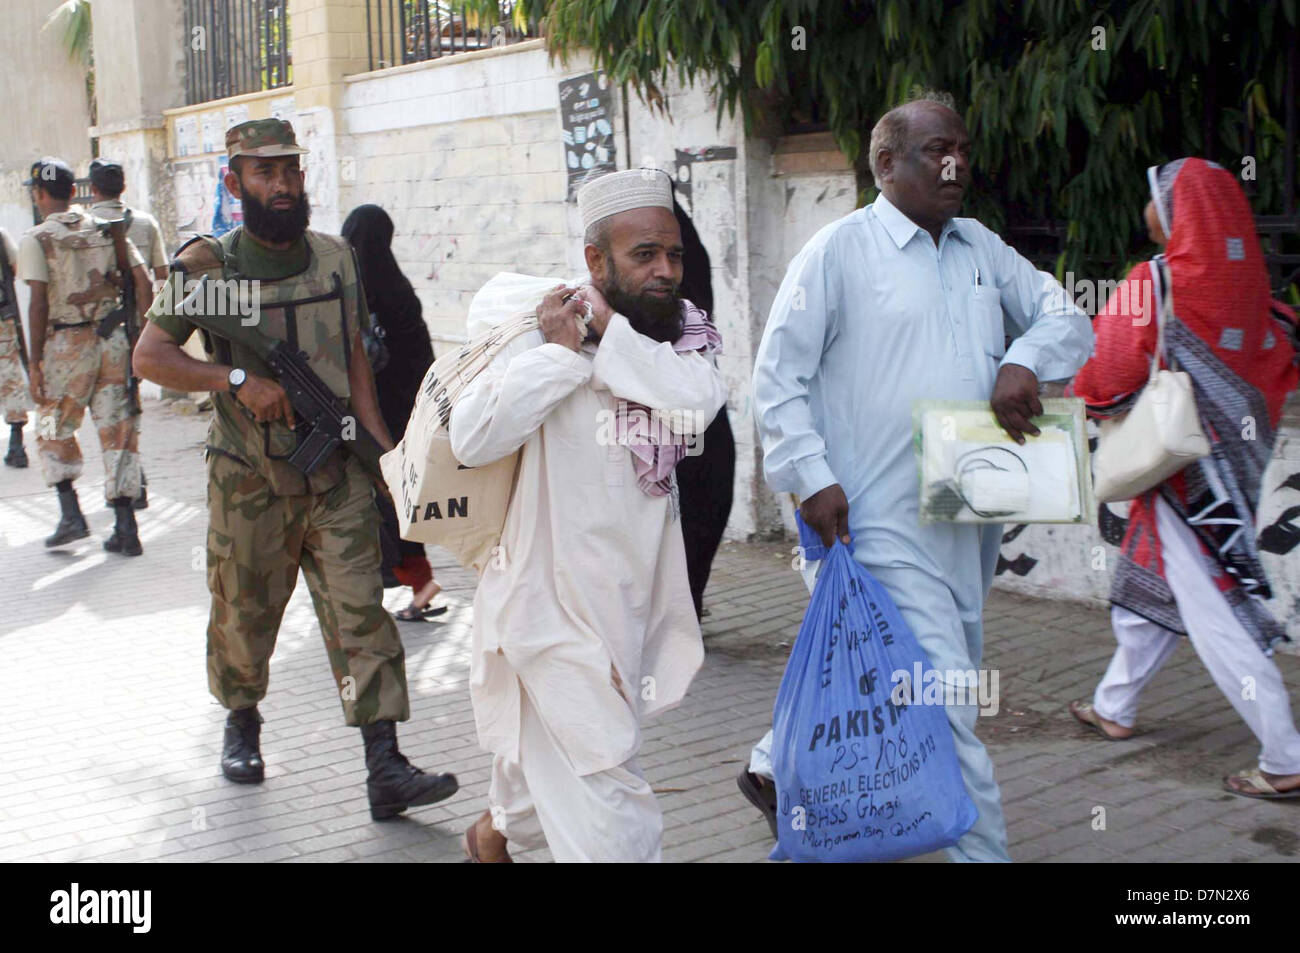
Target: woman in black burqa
(396,309)
(704,482)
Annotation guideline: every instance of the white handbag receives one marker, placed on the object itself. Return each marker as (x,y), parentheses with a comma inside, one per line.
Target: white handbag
(1161,434)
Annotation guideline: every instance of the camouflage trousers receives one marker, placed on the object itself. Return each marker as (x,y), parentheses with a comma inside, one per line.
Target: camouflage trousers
(256,543)
(82,370)
(15,400)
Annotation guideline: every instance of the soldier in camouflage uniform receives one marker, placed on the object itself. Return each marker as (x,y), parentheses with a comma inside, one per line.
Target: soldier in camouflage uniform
(14,399)
(107,183)
(69,263)
(266,518)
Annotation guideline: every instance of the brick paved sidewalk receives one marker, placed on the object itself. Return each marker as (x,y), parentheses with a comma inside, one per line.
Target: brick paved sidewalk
(111,741)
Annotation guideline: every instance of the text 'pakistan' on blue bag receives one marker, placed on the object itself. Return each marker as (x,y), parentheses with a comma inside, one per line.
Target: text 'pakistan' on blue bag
(862,773)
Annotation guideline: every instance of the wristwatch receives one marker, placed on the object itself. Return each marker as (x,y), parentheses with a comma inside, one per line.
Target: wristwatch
(236,377)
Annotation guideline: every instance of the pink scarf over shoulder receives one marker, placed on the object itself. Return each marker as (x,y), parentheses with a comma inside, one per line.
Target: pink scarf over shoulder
(655,444)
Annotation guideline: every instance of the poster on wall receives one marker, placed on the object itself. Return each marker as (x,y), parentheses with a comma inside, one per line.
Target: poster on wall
(227,211)
(284,109)
(214,138)
(234,116)
(586,128)
(187,136)
(684,173)
(192,185)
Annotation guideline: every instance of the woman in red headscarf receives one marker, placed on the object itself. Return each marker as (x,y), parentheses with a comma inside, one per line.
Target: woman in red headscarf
(1189,563)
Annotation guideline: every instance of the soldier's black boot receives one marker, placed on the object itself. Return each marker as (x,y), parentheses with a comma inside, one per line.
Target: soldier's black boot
(142,501)
(394,784)
(126,537)
(72,525)
(17,455)
(241,753)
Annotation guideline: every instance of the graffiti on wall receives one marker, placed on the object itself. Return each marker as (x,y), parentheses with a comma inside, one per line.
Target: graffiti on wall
(1283,535)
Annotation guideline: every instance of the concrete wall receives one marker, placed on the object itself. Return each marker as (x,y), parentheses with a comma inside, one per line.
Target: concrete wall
(465,154)
(49,117)
(140,48)
(788,203)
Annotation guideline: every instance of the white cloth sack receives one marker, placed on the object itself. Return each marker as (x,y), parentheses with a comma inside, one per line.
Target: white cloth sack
(439,501)
(1160,435)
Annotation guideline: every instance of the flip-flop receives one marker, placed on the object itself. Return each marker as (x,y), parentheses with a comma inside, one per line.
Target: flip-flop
(1087,715)
(1263,790)
(751,785)
(412,614)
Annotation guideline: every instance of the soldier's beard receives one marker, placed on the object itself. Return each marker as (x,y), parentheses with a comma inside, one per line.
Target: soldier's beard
(276,225)
(658,317)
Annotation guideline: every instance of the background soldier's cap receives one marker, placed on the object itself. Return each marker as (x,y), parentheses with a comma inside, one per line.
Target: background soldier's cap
(262,137)
(107,175)
(51,169)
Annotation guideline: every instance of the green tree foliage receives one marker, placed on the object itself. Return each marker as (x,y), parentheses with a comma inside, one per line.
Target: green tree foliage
(1067,101)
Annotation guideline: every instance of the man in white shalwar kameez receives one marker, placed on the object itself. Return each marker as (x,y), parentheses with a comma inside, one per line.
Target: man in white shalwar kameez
(583,624)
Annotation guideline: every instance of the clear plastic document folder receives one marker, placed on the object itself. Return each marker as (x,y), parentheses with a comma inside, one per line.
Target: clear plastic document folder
(972,472)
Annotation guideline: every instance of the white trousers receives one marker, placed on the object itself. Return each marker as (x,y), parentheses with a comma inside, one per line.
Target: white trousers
(1249,678)
(607,817)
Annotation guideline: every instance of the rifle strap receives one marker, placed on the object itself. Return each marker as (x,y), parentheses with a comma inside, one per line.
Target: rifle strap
(120,253)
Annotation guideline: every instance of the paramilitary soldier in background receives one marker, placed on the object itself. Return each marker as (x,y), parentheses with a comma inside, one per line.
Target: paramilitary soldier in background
(14,400)
(70,264)
(266,518)
(107,183)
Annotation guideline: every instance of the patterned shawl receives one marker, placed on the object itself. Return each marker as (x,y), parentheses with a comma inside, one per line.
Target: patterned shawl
(656,449)
(1242,366)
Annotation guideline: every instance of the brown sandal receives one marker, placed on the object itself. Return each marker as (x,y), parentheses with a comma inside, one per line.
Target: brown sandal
(469,844)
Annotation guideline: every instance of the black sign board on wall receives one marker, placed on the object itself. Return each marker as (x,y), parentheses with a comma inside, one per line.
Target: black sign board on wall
(587,128)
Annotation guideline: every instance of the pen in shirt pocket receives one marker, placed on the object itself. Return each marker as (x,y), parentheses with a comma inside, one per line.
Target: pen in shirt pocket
(977,277)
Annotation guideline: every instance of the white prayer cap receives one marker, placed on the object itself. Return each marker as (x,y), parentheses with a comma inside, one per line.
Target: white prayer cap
(621,191)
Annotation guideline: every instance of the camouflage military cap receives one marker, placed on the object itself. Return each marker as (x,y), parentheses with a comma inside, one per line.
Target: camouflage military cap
(262,137)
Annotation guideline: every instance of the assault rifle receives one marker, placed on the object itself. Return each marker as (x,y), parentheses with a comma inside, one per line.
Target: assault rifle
(125,312)
(322,422)
(9,305)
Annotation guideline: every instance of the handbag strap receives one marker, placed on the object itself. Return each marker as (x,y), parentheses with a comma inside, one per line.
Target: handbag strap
(454,371)
(1164,308)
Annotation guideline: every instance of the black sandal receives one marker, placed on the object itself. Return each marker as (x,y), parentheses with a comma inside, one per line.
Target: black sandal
(413,614)
(761,793)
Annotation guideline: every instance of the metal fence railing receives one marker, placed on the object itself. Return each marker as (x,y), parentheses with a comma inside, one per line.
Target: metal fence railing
(234,47)
(412,31)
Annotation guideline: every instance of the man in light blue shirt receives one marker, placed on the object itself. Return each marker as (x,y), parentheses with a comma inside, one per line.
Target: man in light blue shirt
(898,302)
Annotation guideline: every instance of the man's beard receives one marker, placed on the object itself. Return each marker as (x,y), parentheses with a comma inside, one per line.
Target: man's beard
(276,225)
(657,317)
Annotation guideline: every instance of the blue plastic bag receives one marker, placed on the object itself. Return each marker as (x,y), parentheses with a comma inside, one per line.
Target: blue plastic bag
(862,774)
